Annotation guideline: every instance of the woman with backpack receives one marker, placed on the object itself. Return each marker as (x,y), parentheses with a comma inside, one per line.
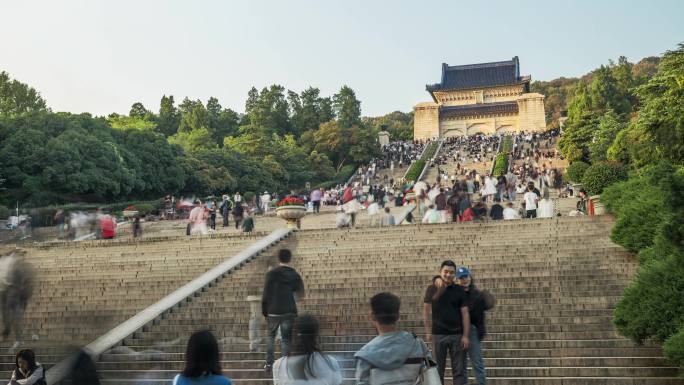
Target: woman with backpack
(306,364)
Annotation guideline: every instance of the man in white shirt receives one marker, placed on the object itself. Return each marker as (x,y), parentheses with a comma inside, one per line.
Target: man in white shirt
(265,201)
(531,198)
(510,213)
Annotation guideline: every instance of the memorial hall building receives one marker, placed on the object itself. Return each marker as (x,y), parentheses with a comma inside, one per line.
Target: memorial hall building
(479,98)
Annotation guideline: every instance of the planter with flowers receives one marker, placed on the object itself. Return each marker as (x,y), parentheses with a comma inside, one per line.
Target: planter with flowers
(130,212)
(291,209)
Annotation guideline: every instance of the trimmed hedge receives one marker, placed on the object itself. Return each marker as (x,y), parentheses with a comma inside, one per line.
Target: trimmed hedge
(500,164)
(415,170)
(507,145)
(576,170)
(601,175)
(417,167)
(430,151)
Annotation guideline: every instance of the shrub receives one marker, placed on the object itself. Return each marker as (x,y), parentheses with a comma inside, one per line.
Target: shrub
(576,170)
(652,305)
(639,206)
(4,212)
(674,348)
(601,175)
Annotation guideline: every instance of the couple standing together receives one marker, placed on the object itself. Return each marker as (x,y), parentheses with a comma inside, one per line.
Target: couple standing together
(456,326)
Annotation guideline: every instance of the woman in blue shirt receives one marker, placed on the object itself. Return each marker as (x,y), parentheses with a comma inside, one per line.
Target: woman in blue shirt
(202,365)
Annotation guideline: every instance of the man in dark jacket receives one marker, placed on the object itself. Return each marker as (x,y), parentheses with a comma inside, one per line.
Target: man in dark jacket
(478,302)
(278,305)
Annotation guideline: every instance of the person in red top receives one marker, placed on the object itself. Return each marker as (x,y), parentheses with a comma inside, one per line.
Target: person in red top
(347,195)
(467,215)
(108,227)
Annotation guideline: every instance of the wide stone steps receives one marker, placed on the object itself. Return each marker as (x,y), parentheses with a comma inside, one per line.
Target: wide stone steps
(556,282)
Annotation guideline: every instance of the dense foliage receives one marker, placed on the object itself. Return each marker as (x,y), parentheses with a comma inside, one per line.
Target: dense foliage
(644,130)
(284,140)
(398,124)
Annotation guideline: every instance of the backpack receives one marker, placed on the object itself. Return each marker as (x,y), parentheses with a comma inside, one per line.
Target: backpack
(415,371)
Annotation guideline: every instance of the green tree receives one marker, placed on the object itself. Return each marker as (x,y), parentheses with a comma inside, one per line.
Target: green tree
(169,119)
(327,112)
(18,98)
(347,107)
(661,117)
(130,122)
(194,116)
(138,110)
(252,100)
(609,125)
(306,110)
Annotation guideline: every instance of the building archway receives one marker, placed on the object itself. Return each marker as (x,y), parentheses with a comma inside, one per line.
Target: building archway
(478,128)
(453,132)
(505,129)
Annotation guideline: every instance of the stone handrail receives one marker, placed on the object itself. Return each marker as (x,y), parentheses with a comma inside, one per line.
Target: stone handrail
(404,213)
(154,312)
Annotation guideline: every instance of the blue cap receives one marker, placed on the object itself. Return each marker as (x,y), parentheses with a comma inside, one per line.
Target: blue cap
(462,272)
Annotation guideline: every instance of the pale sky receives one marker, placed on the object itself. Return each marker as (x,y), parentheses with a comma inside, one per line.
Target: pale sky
(102,56)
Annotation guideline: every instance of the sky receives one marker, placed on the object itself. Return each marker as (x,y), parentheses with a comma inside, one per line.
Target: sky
(103,56)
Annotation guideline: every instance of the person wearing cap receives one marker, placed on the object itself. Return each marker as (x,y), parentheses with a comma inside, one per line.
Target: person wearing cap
(225,208)
(448,328)
(478,302)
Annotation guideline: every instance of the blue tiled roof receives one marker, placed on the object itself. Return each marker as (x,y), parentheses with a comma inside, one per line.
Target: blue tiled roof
(480,75)
(478,109)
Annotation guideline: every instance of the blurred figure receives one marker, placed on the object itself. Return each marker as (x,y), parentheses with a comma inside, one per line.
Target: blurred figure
(137,227)
(83,370)
(60,222)
(107,229)
(197,220)
(248,223)
(16,289)
(387,218)
(202,362)
(27,370)
(265,201)
(238,214)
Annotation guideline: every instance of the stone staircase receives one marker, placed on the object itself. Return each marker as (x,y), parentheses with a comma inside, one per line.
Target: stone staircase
(555,280)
